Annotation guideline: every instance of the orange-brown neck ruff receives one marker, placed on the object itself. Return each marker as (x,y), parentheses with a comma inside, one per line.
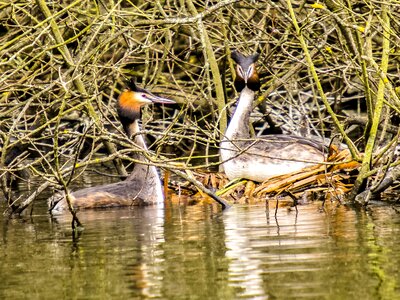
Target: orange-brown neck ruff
(128,104)
(128,109)
(253,82)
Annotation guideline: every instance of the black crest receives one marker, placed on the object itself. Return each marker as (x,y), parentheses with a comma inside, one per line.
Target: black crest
(244,61)
(131,84)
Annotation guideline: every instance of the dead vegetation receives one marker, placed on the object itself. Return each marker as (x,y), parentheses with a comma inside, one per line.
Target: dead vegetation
(330,181)
(328,69)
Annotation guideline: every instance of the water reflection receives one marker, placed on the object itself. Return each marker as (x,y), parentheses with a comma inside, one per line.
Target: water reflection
(197,252)
(129,242)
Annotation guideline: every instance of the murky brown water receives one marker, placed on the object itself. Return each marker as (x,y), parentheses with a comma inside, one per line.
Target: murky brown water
(196,252)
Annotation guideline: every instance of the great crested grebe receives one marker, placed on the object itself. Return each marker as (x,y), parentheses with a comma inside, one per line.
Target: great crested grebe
(266,156)
(143,185)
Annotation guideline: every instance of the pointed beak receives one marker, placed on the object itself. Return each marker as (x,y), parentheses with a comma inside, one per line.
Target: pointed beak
(156,99)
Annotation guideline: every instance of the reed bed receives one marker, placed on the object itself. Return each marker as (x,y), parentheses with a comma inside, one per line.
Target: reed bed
(328,69)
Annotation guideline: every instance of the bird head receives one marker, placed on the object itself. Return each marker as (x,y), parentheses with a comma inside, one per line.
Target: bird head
(246,71)
(132,99)
(135,97)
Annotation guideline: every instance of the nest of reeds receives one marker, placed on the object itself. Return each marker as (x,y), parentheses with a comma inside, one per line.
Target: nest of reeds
(327,181)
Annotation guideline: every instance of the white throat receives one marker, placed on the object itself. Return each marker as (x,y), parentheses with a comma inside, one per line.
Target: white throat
(239,125)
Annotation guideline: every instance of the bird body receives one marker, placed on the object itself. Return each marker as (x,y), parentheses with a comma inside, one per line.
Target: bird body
(143,185)
(263,157)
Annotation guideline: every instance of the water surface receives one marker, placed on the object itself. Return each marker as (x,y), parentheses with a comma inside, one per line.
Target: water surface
(197,252)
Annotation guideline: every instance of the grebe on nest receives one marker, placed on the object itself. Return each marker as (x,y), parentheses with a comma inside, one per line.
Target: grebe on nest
(143,186)
(266,156)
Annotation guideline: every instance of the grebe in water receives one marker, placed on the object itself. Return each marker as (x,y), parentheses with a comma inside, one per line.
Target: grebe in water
(143,186)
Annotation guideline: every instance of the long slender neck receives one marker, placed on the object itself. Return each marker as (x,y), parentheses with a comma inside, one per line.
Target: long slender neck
(133,130)
(147,173)
(239,126)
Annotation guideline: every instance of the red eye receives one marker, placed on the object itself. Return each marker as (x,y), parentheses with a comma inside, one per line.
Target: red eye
(144,95)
